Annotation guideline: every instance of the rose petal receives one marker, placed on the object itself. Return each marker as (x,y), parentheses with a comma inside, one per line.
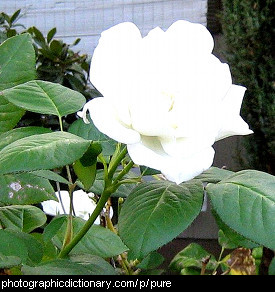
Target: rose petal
(114,58)
(150,153)
(232,122)
(104,117)
(185,147)
(190,36)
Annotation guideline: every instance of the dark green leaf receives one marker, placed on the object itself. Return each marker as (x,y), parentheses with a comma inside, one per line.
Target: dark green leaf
(18,133)
(214,175)
(17,61)
(11,33)
(97,241)
(246,202)
(156,212)
(57,267)
(144,170)
(11,245)
(20,244)
(9,261)
(89,158)
(38,37)
(44,151)
(90,132)
(228,238)
(56,47)
(271,269)
(50,252)
(10,115)
(34,247)
(76,42)
(53,227)
(24,188)
(152,261)
(86,174)
(51,175)
(45,98)
(95,264)
(192,257)
(15,16)
(51,34)
(22,218)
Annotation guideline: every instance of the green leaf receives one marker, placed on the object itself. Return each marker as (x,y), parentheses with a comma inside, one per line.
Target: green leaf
(56,47)
(34,247)
(11,245)
(95,264)
(50,252)
(190,271)
(271,269)
(156,212)
(17,61)
(19,133)
(20,244)
(53,227)
(192,257)
(22,218)
(9,261)
(24,188)
(144,170)
(214,175)
(51,34)
(45,98)
(59,267)
(90,156)
(86,174)
(15,16)
(10,115)
(97,241)
(228,238)
(151,261)
(90,132)
(51,175)
(246,202)
(44,151)
(38,37)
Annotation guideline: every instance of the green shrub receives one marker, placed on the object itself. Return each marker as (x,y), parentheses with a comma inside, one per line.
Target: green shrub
(55,62)
(249,34)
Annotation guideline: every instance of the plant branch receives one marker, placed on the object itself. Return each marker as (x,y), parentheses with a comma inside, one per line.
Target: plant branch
(100,205)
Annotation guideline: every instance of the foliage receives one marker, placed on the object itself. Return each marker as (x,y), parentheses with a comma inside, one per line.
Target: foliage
(249,33)
(56,62)
(36,161)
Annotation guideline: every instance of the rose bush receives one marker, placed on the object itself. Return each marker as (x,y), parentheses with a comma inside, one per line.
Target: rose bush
(165,95)
(166,122)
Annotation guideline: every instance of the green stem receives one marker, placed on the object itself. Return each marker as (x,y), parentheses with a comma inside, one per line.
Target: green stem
(108,190)
(115,163)
(100,205)
(69,229)
(219,261)
(125,170)
(60,123)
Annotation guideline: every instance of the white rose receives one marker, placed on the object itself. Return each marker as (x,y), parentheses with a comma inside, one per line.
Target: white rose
(83,205)
(165,95)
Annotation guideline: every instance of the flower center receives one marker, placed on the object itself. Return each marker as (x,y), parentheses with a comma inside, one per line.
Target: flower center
(169,99)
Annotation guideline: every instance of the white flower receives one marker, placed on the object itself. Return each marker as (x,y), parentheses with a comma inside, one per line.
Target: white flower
(165,95)
(83,205)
